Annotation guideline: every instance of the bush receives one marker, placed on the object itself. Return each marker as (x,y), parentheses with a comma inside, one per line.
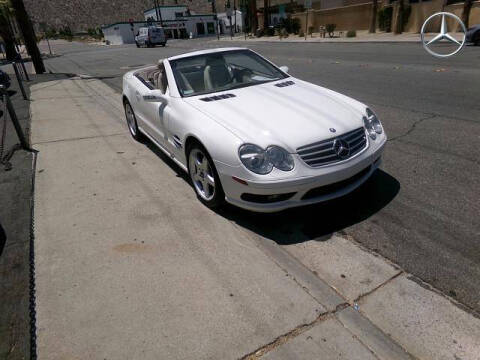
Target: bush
(291,25)
(259,33)
(407,10)
(51,33)
(282,33)
(351,33)
(270,31)
(301,34)
(66,33)
(310,30)
(385,19)
(330,28)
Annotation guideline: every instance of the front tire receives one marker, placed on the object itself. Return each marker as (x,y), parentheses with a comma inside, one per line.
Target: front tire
(136,43)
(204,177)
(132,122)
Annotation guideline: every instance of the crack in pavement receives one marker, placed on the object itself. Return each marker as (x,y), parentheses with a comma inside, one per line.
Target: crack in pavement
(300,329)
(414,125)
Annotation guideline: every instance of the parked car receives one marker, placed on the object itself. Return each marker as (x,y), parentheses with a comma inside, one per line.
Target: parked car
(150,36)
(250,134)
(473,35)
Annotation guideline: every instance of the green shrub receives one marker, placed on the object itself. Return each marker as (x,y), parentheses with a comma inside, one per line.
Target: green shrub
(330,28)
(385,19)
(407,10)
(351,33)
(291,25)
(259,33)
(270,31)
(66,33)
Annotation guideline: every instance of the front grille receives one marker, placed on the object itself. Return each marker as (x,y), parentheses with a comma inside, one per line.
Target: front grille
(323,152)
(332,188)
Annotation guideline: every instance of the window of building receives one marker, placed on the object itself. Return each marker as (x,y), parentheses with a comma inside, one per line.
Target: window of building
(210,27)
(200,29)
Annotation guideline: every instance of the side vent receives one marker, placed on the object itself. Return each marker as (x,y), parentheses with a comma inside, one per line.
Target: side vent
(217,97)
(285,83)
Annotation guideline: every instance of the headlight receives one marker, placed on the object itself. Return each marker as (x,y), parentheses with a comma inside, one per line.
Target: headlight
(255,159)
(262,161)
(280,158)
(372,124)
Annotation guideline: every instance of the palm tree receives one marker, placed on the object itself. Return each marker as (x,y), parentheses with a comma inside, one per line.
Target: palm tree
(253,16)
(265,14)
(399,24)
(373,21)
(467,6)
(6,33)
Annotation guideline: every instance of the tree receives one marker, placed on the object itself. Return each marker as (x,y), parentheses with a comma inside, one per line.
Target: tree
(467,6)
(28,35)
(253,16)
(265,14)
(6,31)
(373,20)
(399,24)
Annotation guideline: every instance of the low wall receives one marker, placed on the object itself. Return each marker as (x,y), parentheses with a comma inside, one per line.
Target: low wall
(357,17)
(354,17)
(421,11)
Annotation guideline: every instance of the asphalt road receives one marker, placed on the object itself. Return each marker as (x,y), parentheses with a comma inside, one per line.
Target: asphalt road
(422,209)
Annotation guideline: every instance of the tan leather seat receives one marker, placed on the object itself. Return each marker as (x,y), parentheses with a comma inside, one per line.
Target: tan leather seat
(216,73)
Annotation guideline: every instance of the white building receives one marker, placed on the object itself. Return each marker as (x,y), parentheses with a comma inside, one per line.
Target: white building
(177,22)
(237,21)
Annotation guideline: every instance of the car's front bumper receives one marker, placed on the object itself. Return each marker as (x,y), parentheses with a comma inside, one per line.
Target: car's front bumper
(333,182)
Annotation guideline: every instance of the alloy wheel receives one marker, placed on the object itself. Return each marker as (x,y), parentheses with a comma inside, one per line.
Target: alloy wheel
(130,119)
(201,173)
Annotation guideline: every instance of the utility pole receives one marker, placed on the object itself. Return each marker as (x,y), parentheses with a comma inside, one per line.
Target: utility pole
(28,35)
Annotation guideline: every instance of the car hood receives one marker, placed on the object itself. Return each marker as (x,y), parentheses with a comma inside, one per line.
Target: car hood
(289,116)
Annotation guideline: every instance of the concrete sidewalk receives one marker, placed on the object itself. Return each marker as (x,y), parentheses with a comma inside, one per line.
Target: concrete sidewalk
(129,265)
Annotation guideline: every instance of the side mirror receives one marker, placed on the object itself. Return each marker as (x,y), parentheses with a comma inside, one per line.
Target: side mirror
(284,69)
(155,96)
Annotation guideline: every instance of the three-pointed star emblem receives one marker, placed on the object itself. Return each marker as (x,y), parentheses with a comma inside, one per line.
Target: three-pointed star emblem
(443,35)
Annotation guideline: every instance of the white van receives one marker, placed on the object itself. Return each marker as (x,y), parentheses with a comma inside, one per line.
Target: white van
(150,36)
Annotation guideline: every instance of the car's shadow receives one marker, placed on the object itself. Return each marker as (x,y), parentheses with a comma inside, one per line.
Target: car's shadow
(319,221)
(311,222)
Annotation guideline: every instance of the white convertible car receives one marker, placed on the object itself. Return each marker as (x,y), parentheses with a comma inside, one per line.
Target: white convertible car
(249,133)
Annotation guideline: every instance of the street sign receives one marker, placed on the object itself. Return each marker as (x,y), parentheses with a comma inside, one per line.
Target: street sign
(308,4)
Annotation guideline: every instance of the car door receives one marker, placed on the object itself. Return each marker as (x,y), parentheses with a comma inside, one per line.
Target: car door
(154,112)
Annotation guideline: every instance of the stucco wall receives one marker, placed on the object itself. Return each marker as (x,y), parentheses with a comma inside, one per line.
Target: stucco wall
(421,11)
(354,17)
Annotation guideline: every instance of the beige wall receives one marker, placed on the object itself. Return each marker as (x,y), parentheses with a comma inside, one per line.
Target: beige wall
(355,17)
(421,11)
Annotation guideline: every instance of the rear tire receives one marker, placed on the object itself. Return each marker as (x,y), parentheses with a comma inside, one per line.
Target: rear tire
(163,44)
(204,177)
(132,122)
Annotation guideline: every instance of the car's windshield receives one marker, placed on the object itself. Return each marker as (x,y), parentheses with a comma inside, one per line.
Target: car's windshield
(222,71)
